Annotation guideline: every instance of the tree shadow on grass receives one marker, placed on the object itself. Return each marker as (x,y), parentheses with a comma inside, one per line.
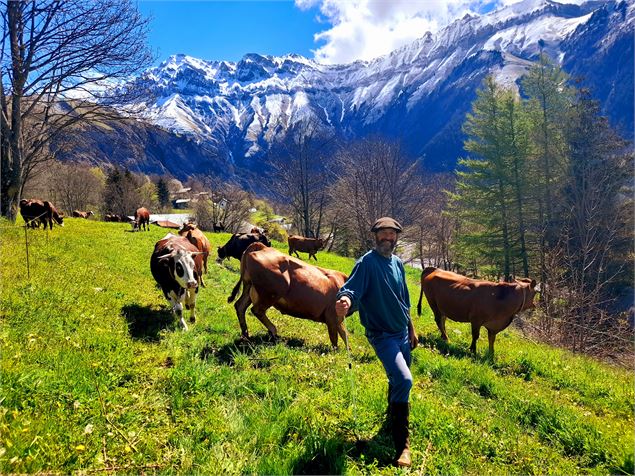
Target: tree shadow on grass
(226,354)
(145,323)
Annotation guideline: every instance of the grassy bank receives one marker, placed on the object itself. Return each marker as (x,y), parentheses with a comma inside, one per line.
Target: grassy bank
(96,375)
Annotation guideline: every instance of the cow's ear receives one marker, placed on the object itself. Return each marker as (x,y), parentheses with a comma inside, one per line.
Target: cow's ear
(533,283)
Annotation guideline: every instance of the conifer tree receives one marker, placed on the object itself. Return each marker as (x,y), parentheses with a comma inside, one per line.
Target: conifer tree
(163,194)
(490,189)
(548,100)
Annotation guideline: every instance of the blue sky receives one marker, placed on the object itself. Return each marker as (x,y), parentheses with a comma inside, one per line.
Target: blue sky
(329,31)
(216,30)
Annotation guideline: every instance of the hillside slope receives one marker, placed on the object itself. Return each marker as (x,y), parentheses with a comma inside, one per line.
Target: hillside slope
(97,376)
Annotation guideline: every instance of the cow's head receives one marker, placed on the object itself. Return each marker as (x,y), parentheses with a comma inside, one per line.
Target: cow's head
(528,287)
(183,268)
(222,254)
(90,213)
(189,226)
(320,243)
(59,218)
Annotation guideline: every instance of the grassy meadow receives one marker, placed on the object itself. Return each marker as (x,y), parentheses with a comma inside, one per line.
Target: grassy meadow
(96,376)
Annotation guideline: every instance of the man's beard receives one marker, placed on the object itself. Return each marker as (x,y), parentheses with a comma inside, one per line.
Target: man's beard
(385,247)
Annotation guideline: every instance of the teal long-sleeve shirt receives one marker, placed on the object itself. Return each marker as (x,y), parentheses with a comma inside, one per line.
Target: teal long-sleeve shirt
(377,288)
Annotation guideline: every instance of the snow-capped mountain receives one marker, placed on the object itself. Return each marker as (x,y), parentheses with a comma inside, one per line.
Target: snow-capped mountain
(418,94)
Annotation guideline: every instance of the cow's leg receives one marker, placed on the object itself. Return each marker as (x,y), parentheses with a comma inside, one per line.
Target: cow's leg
(259,309)
(177,307)
(440,320)
(260,313)
(314,256)
(241,306)
(190,303)
(332,328)
(491,337)
(476,330)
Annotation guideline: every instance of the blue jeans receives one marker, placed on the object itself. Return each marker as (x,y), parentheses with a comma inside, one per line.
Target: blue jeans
(393,351)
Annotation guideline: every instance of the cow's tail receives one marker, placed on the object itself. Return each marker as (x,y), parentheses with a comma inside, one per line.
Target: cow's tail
(232,296)
(419,304)
(424,273)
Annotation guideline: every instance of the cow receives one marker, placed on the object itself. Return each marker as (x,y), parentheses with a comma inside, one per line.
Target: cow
(141,218)
(116,218)
(218,227)
(175,265)
(306,245)
(481,303)
(81,214)
(238,243)
(271,278)
(36,212)
(198,239)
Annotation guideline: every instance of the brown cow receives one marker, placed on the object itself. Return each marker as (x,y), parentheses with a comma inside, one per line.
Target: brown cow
(81,214)
(481,303)
(293,287)
(36,212)
(198,239)
(306,245)
(141,218)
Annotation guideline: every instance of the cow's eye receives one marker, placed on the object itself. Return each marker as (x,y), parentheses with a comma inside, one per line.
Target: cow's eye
(179,270)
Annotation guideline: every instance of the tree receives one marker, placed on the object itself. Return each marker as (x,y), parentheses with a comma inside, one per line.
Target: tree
(491,190)
(300,174)
(549,98)
(74,187)
(374,179)
(163,194)
(120,194)
(589,262)
(57,59)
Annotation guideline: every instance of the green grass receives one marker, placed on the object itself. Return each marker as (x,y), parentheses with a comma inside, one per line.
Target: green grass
(95,374)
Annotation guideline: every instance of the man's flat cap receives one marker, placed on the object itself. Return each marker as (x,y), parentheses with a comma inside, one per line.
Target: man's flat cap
(386,222)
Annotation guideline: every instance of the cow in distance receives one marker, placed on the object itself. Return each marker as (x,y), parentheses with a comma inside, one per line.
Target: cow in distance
(305,245)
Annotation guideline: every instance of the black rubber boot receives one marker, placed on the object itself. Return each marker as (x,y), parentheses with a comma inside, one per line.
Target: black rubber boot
(401,433)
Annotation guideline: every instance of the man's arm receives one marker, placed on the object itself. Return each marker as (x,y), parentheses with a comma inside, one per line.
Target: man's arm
(352,291)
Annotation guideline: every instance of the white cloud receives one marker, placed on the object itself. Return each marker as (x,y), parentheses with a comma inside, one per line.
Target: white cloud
(366,29)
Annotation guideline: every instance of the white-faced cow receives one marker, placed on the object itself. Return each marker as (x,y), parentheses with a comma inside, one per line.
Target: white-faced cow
(175,265)
(481,303)
(198,239)
(273,279)
(141,218)
(306,245)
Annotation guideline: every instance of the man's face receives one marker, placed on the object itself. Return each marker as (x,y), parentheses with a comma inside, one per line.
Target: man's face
(386,240)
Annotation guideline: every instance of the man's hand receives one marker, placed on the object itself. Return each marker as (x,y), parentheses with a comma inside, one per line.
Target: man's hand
(342,305)
(412,336)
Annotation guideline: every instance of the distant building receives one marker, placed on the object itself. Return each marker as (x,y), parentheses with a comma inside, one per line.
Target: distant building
(181,203)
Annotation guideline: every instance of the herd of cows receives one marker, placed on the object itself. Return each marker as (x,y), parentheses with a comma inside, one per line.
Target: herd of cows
(270,278)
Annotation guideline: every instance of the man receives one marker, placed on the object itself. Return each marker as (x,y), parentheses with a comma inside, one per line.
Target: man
(377,287)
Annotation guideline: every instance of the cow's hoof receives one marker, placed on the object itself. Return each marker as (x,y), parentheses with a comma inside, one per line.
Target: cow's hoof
(273,337)
(192,319)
